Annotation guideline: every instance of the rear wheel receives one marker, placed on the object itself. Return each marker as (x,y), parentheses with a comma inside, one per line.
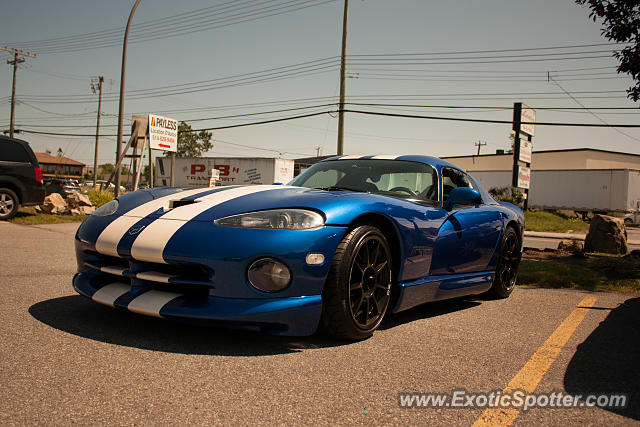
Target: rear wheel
(507,268)
(357,293)
(8,204)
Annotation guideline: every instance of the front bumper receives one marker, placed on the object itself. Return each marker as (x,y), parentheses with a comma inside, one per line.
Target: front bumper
(293,316)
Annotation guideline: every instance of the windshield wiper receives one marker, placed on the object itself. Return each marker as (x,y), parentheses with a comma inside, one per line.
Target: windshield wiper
(338,188)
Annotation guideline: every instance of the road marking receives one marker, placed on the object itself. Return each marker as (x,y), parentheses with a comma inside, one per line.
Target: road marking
(532,372)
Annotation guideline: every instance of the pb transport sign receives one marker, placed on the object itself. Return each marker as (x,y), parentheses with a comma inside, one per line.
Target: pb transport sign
(163,133)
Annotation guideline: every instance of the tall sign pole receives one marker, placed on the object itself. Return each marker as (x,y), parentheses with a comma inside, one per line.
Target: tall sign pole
(524,128)
(343,60)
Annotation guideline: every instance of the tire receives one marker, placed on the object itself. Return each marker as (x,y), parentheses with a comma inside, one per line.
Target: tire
(9,204)
(507,268)
(358,288)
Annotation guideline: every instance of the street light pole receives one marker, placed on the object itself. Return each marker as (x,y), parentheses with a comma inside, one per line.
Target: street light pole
(343,56)
(121,107)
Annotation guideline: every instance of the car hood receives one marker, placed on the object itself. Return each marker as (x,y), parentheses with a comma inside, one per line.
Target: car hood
(207,204)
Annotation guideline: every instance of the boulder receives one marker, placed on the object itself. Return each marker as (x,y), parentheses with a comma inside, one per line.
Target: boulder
(86,210)
(54,204)
(607,235)
(571,246)
(76,200)
(74,211)
(566,213)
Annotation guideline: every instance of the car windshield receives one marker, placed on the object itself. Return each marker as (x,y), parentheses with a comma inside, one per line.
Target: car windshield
(404,179)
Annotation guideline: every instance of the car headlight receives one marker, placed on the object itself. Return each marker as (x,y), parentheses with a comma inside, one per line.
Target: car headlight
(278,219)
(107,209)
(269,275)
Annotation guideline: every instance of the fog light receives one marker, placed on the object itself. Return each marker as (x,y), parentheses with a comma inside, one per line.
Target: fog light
(269,275)
(314,259)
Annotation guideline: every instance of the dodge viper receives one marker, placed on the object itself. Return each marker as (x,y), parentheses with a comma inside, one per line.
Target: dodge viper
(348,240)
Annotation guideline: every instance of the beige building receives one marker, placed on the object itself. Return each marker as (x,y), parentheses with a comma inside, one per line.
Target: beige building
(573,159)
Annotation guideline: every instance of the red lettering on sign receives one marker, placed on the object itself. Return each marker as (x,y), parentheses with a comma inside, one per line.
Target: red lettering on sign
(197,168)
(224,169)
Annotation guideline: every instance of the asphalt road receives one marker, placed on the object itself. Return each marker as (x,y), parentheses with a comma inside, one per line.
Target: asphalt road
(65,359)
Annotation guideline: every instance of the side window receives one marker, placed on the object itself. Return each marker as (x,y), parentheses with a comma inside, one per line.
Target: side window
(453,178)
(12,152)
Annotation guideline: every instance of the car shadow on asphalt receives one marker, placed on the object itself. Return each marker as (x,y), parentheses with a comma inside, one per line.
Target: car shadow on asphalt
(608,361)
(78,316)
(425,311)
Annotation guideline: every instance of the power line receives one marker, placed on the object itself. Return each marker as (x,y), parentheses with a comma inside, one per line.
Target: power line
(171,27)
(592,113)
(460,119)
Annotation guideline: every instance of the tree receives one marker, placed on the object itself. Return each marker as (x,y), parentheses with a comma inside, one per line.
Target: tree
(107,169)
(621,23)
(191,143)
(60,152)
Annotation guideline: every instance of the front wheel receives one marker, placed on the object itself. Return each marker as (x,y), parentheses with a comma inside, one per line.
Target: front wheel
(507,268)
(358,288)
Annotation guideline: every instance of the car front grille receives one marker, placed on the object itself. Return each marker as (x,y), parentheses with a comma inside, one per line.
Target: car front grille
(190,279)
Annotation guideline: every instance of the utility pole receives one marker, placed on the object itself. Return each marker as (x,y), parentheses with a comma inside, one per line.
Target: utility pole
(121,103)
(15,63)
(96,84)
(343,67)
(480,144)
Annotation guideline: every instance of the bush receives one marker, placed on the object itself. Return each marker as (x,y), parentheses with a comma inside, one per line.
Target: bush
(507,194)
(99,197)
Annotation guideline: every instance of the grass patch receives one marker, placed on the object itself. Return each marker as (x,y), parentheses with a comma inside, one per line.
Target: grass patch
(547,221)
(593,272)
(28,216)
(99,198)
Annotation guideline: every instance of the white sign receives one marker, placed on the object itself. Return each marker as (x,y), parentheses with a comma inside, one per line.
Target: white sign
(526,147)
(527,115)
(524,177)
(163,133)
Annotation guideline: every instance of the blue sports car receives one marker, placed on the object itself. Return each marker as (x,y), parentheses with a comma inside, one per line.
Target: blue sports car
(346,241)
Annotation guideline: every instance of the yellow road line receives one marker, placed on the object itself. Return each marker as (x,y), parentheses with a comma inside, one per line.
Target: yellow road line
(532,372)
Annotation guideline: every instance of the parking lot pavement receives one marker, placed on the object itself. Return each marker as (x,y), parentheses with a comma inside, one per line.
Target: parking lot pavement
(65,359)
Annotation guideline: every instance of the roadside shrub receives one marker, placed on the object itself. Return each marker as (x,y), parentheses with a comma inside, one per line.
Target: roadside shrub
(507,194)
(99,197)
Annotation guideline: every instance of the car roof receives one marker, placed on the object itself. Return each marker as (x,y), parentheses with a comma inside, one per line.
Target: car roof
(433,161)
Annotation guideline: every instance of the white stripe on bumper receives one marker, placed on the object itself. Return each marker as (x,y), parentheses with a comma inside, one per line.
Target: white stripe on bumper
(150,303)
(107,295)
(151,242)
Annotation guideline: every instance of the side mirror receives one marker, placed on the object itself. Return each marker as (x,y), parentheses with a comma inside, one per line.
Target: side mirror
(463,196)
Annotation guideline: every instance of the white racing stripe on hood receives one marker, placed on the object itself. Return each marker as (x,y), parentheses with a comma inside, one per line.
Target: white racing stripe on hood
(386,157)
(151,242)
(108,240)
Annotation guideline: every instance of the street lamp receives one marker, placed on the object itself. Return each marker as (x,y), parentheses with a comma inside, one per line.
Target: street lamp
(121,107)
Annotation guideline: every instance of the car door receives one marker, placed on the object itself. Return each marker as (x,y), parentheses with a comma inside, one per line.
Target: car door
(468,236)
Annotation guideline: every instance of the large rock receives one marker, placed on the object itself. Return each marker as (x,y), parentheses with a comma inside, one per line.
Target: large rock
(86,210)
(54,204)
(75,200)
(607,235)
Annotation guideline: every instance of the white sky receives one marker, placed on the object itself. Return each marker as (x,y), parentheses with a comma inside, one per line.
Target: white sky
(376,27)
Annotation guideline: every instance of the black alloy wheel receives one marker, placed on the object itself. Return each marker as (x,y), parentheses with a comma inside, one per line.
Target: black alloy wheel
(507,268)
(357,293)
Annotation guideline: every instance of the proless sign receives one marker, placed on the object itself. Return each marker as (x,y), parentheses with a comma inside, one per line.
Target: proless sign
(163,133)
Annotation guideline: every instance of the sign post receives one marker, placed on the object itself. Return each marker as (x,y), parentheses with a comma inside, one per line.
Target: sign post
(163,135)
(524,128)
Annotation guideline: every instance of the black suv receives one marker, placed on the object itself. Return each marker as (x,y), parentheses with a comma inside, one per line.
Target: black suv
(20,177)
